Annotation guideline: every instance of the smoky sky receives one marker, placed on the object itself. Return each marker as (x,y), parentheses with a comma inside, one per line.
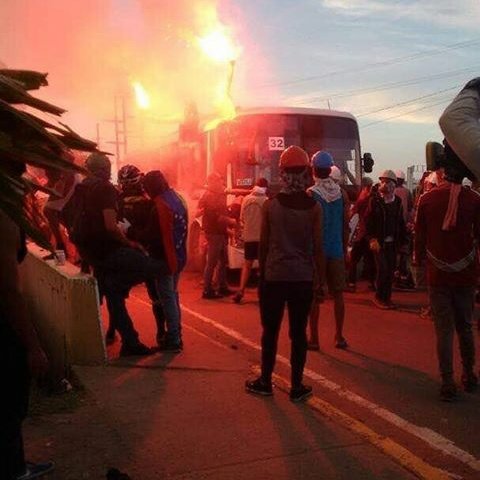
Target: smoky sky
(94,49)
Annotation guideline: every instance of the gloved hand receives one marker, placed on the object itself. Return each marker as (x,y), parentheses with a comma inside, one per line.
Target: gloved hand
(124,225)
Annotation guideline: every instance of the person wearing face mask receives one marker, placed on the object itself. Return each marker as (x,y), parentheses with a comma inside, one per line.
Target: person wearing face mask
(386,232)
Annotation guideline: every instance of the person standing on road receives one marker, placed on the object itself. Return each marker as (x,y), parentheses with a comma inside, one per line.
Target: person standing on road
(291,247)
(403,275)
(452,273)
(386,232)
(360,247)
(250,219)
(134,212)
(216,220)
(335,208)
(118,263)
(447,232)
(167,240)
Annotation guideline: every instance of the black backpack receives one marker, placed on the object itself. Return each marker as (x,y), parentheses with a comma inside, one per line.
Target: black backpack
(74,215)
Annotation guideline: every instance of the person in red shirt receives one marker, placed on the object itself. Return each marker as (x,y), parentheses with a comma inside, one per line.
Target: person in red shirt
(447,232)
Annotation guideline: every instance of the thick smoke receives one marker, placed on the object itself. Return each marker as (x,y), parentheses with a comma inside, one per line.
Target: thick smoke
(94,50)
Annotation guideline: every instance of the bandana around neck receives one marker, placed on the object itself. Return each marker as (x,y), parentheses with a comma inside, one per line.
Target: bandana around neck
(327,188)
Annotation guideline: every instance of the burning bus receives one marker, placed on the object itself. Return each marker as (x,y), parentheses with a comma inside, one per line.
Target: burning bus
(248,146)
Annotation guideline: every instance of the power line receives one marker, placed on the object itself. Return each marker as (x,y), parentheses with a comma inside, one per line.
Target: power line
(444,100)
(382,63)
(407,102)
(388,86)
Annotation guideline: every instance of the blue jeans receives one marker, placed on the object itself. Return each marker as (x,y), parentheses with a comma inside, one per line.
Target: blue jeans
(117,274)
(216,258)
(157,307)
(167,287)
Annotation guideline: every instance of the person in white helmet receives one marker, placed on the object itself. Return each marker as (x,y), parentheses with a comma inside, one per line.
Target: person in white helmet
(403,276)
(386,233)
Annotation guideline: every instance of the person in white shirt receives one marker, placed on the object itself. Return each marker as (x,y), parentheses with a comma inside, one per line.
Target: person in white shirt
(250,219)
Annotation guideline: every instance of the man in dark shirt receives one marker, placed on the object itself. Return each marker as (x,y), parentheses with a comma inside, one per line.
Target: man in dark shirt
(386,233)
(134,211)
(119,263)
(213,207)
(166,240)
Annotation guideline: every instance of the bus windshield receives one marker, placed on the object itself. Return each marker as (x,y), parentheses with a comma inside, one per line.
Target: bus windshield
(258,140)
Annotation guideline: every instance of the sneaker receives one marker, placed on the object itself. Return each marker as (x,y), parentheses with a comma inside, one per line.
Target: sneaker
(301,393)
(110,336)
(138,350)
(115,474)
(211,295)
(36,470)
(381,305)
(426,312)
(351,287)
(161,338)
(171,347)
(342,344)
(225,292)
(313,346)
(448,392)
(469,382)
(238,297)
(259,387)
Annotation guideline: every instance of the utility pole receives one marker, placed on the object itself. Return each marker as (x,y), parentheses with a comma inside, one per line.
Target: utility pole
(120,128)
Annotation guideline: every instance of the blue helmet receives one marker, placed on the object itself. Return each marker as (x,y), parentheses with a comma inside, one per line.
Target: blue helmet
(322,159)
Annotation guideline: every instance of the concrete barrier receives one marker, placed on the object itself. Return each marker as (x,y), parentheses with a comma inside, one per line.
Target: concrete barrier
(64,307)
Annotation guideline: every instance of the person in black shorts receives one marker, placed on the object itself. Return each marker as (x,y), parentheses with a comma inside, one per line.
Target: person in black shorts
(250,220)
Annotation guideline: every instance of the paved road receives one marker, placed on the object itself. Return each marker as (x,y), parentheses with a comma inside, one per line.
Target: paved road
(375,413)
(387,379)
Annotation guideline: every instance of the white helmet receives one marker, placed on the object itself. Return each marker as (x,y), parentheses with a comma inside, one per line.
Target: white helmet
(400,174)
(389,175)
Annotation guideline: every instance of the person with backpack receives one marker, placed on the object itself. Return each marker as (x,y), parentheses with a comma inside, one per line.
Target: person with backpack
(118,262)
(166,240)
